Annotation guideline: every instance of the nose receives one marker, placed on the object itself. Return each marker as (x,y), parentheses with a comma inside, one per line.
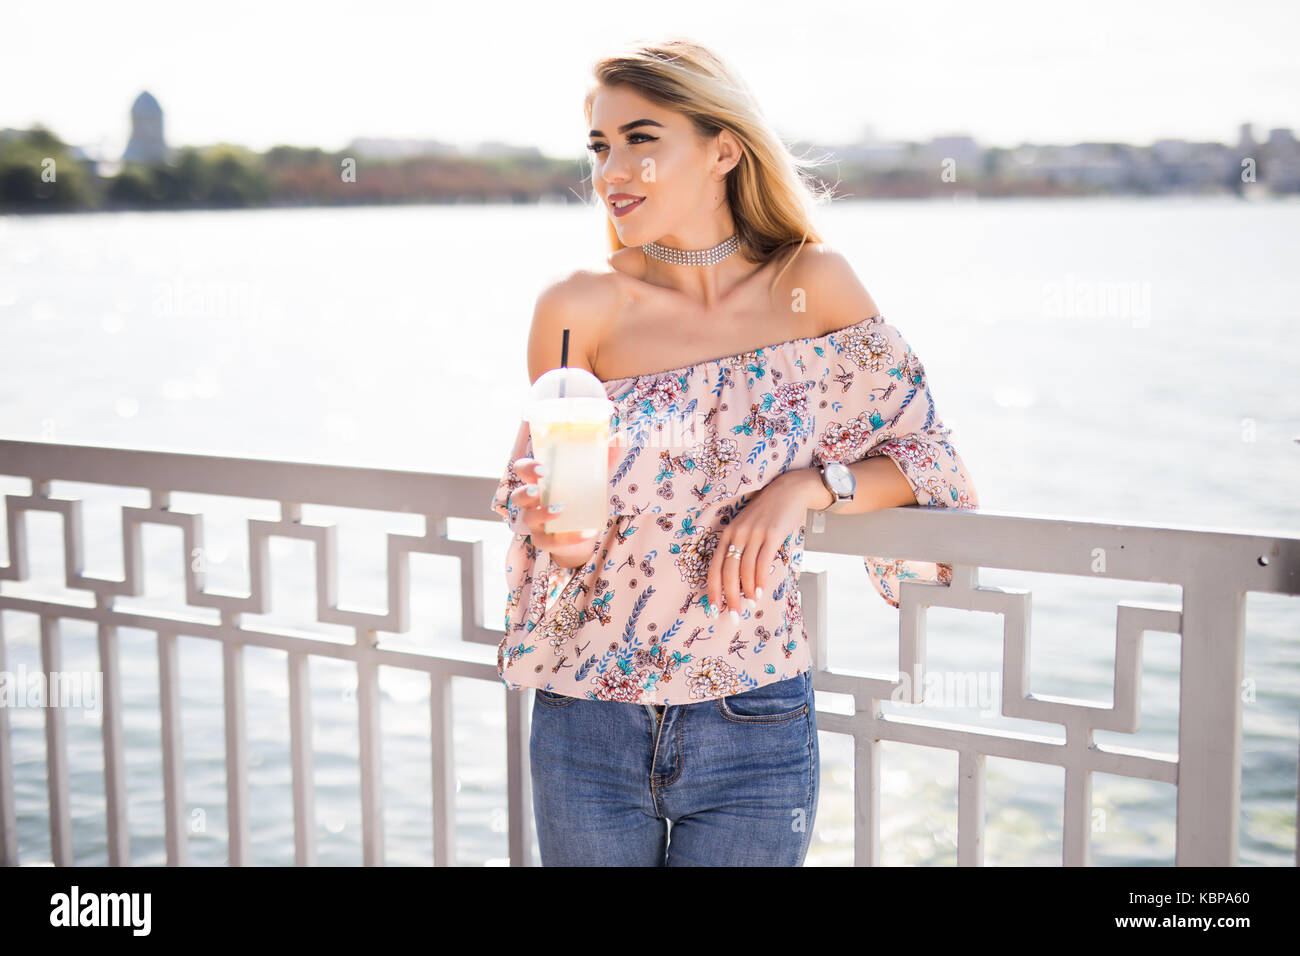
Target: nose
(614,170)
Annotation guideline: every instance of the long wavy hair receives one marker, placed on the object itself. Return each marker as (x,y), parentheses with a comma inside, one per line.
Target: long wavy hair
(770,191)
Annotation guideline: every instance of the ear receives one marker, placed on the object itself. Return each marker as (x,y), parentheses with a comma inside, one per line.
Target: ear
(729,153)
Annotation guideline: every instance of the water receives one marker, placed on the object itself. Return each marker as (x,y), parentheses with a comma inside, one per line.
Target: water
(1109,360)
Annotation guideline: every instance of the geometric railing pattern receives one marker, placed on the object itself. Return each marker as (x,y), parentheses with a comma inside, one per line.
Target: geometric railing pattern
(1214,570)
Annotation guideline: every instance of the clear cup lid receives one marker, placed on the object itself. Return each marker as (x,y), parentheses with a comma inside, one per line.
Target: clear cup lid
(566,383)
(568,394)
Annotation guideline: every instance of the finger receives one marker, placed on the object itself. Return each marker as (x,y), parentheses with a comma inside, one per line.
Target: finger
(764,567)
(746,570)
(560,539)
(731,582)
(572,537)
(531,511)
(527,495)
(529,469)
(714,581)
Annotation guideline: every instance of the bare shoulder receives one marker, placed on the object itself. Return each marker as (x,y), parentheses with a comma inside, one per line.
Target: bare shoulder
(832,292)
(581,302)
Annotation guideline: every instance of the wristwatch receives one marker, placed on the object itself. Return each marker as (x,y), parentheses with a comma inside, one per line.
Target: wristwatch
(839,481)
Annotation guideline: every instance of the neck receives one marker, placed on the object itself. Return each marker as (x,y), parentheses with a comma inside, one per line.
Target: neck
(706,281)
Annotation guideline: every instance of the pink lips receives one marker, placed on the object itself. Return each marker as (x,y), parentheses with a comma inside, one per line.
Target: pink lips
(626,209)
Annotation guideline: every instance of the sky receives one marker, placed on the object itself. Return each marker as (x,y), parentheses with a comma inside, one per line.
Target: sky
(321,73)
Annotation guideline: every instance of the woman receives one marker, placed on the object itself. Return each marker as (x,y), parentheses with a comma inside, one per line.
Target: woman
(651,707)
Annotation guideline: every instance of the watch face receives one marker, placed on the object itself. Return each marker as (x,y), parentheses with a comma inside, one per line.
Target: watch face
(839,477)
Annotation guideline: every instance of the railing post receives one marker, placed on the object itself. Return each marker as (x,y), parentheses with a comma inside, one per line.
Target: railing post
(970,808)
(371,755)
(56,749)
(443,775)
(232,668)
(866,796)
(119,838)
(1209,724)
(173,758)
(302,756)
(518,792)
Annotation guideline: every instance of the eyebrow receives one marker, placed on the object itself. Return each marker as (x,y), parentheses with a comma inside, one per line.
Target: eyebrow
(630,126)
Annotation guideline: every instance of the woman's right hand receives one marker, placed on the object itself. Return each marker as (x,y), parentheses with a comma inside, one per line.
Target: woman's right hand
(534,515)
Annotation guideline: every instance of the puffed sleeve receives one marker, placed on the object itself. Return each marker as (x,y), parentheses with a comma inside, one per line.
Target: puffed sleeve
(501,503)
(534,580)
(883,405)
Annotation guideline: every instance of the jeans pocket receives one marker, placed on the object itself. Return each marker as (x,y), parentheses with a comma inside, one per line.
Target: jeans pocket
(772,703)
(554,699)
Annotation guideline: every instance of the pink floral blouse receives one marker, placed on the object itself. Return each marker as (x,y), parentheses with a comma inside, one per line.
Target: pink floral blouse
(632,623)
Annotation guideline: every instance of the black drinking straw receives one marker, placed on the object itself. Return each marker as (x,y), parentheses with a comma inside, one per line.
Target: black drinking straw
(564,358)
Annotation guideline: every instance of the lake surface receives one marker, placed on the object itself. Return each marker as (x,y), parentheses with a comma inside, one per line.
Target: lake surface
(1119,359)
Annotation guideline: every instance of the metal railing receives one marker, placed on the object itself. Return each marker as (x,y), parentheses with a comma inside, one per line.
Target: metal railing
(1214,570)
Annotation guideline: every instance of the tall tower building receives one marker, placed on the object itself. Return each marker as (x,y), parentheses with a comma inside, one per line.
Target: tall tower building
(1246,139)
(146,144)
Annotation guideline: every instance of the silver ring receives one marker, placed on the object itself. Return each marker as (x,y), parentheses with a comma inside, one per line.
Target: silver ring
(734,552)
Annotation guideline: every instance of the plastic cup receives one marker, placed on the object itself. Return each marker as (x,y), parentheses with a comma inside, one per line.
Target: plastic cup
(568,418)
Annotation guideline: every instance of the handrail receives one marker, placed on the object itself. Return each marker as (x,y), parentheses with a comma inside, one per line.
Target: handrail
(1214,568)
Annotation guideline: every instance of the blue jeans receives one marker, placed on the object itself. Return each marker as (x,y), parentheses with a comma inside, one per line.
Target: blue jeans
(737,778)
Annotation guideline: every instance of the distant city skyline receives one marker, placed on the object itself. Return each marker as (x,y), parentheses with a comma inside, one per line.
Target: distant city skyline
(326,73)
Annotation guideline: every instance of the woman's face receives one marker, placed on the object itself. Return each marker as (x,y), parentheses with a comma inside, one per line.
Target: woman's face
(648,152)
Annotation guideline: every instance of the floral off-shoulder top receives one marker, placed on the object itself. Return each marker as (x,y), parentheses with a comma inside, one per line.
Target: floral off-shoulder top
(632,623)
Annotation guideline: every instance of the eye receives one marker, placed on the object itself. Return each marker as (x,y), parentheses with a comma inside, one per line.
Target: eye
(634,138)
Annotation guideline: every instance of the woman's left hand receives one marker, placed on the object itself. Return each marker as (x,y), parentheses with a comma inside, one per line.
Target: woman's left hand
(773,514)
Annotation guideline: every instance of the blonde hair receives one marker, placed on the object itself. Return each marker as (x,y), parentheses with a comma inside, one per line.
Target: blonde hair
(769,192)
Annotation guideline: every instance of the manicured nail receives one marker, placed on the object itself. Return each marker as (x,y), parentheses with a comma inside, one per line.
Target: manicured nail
(538,470)
(758,593)
(531,491)
(735,618)
(555,509)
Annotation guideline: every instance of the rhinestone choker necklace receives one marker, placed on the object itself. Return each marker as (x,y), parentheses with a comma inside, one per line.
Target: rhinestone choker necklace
(692,257)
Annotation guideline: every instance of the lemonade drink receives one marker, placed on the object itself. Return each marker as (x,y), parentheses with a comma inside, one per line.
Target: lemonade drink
(575,456)
(568,417)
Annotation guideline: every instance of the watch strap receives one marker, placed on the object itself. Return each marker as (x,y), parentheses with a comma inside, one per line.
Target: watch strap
(840,502)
